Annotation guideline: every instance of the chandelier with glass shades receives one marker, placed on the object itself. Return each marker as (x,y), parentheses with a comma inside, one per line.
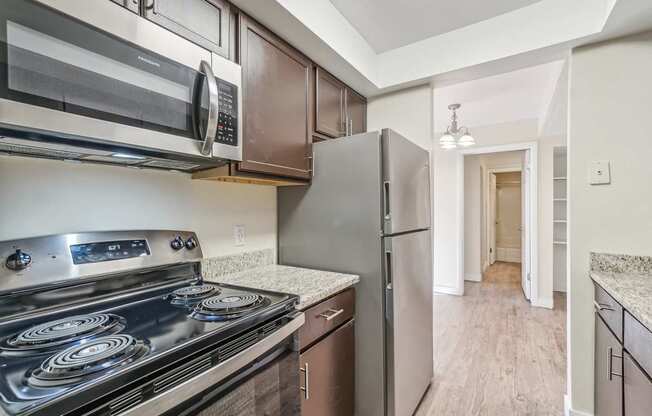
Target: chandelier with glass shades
(456,135)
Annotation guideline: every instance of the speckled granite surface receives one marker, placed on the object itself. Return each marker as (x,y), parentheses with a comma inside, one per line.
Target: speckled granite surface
(218,266)
(312,286)
(620,263)
(628,279)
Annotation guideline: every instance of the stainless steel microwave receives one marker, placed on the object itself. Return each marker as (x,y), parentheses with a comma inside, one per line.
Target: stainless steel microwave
(91,81)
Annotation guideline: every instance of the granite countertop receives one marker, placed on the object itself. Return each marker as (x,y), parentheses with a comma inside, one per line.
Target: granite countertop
(628,279)
(632,290)
(312,286)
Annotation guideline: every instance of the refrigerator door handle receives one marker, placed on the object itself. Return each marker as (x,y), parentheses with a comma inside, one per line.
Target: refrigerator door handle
(386,207)
(389,288)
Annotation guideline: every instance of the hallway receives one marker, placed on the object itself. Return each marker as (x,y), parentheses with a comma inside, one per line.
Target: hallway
(494,354)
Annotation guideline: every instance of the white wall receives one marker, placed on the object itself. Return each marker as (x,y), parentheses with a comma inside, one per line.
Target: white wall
(609,120)
(41,197)
(473,197)
(409,112)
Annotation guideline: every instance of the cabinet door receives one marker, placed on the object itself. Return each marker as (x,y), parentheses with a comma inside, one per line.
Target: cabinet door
(356,108)
(638,389)
(277,104)
(329,111)
(328,375)
(204,22)
(608,371)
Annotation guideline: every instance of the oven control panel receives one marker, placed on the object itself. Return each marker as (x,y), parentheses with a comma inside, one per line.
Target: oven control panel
(108,251)
(227,122)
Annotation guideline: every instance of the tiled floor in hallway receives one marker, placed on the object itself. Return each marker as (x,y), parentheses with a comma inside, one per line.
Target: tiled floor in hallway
(495,355)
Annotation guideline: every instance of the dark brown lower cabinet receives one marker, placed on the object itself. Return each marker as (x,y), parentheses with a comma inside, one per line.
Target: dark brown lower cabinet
(608,371)
(327,369)
(638,389)
(273,391)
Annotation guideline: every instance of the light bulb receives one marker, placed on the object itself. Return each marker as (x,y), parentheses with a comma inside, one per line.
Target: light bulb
(466,141)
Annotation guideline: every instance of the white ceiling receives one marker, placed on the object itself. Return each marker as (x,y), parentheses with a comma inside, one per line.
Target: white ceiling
(514,96)
(388,24)
(538,32)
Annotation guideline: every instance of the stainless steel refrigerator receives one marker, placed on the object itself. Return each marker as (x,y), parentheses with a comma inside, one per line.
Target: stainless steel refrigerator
(368,212)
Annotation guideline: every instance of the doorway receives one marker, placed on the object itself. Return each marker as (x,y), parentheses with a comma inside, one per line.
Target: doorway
(506,216)
(507,228)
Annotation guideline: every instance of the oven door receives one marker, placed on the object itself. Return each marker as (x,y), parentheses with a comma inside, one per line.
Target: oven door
(261,379)
(93,71)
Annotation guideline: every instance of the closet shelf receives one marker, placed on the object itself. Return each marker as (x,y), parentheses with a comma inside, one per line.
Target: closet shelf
(560,243)
(560,199)
(560,221)
(559,178)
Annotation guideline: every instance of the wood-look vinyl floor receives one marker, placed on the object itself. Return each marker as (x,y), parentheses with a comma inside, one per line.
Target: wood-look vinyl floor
(495,355)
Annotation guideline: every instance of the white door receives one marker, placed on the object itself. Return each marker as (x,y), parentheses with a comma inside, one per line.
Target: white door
(492,218)
(526,250)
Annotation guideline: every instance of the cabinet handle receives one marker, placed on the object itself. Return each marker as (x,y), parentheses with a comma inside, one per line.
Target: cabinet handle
(610,357)
(350,127)
(333,314)
(306,389)
(602,306)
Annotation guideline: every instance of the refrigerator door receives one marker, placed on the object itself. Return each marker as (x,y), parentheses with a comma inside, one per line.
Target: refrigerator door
(409,320)
(406,185)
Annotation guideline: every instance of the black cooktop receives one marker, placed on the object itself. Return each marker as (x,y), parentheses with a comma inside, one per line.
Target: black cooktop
(86,354)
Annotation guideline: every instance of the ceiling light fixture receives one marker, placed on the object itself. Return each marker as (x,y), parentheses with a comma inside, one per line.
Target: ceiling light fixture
(456,135)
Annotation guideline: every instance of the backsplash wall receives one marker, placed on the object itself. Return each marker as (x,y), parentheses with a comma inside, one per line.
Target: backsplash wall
(41,197)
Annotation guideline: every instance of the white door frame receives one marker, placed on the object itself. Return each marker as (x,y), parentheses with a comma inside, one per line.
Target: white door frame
(531,225)
(487,207)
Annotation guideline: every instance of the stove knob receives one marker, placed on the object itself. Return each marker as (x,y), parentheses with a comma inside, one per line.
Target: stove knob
(191,243)
(177,244)
(18,260)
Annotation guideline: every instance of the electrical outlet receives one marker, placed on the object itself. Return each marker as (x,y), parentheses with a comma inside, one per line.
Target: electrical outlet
(239,235)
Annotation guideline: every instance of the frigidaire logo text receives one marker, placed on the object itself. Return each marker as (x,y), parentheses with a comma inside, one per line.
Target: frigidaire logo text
(149,61)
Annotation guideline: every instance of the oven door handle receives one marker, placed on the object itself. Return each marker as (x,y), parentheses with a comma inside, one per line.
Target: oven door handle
(208,136)
(186,390)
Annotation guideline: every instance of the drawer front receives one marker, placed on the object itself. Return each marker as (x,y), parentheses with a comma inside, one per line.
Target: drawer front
(638,389)
(610,311)
(326,316)
(638,341)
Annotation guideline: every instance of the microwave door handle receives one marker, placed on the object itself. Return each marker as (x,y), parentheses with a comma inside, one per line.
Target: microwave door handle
(213,109)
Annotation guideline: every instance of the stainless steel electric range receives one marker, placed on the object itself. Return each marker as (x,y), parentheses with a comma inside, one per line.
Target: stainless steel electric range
(122,323)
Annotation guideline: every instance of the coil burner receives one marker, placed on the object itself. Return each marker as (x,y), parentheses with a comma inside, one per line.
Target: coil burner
(230,306)
(78,363)
(63,333)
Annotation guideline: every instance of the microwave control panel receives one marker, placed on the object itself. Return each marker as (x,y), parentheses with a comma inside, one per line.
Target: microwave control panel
(227,122)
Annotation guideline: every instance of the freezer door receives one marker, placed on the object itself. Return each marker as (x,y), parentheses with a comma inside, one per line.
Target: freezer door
(409,320)
(406,184)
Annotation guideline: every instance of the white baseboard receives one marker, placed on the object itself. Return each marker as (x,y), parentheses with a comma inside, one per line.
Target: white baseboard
(543,303)
(448,290)
(473,277)
(570,412)
(508,254)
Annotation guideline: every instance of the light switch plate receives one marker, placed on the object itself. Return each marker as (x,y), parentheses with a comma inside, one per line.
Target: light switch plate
(600,173)
(239,235)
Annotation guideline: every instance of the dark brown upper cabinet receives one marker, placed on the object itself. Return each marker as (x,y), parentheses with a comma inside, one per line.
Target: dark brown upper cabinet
(277,104)
(339,111)
(356,107)
(330,119)
(204,22)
